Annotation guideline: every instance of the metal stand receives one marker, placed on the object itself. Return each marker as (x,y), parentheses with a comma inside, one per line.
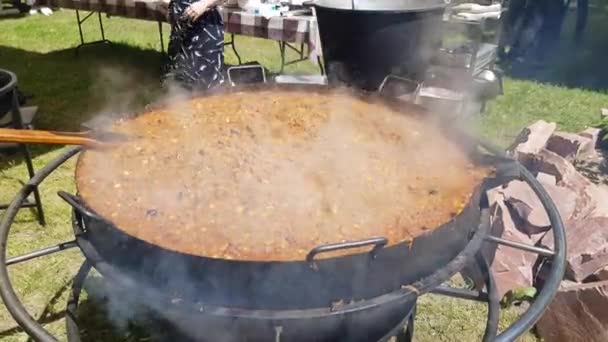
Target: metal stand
(81,21)
(403,332)
(17,123)
(71,314)
(557,258)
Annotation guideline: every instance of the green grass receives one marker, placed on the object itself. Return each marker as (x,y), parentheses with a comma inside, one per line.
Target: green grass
(124,77)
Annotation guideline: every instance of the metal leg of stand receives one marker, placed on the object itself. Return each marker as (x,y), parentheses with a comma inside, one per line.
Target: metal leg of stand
(72,330)
(30,169)
(101,29)
(407,335)
(490,296)
(17,123)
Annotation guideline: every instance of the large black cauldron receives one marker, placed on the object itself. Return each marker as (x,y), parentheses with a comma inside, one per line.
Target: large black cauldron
(366,40)
(430,261)
(306,284)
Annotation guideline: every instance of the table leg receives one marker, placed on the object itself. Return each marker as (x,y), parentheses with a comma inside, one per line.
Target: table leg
(162,40)
(80,25)
(300,51)
(101,29)
(282,50)
(320,64)
(103,34)
(232,44)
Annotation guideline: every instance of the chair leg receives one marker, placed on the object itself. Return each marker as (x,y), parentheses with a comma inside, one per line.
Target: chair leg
(407,335)
(30,169)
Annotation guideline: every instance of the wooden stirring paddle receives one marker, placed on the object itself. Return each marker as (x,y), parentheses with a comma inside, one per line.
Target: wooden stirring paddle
(89,138)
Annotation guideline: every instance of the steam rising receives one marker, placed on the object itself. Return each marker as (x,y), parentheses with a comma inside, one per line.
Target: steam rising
(288,171)
(267,176)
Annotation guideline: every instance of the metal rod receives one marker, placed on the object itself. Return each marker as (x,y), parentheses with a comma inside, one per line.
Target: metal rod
(398,331)
(162,41)
(232,43)
(71,323)
(79,26)
(282,50)
(407,335)
(103,34)
(24,205)
(295,49)
(461,293)
(30,169)
(7,292)
(493,300)
(17,122)
(42,252)
(558,264)
(321,67)
(87,17)
(101,28)
(532,249)
(295,61)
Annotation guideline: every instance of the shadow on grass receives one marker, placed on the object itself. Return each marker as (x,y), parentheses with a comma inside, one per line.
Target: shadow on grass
(571,64)
(100,321)
(110,314)
(47,315)
(70,89)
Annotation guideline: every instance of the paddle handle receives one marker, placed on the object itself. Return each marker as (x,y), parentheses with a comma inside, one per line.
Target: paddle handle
(29,136)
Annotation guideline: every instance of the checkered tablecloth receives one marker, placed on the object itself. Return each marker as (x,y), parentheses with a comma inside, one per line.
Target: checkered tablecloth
(137,9)
(294,30)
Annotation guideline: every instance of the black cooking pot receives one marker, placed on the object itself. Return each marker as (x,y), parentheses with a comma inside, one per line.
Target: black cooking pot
(366,40)
(294,285)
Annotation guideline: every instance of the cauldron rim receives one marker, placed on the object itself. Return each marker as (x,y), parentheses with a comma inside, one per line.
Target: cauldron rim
(429,6)
(405,108)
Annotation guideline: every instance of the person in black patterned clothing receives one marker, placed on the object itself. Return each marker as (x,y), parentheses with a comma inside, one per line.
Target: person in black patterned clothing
(196,45)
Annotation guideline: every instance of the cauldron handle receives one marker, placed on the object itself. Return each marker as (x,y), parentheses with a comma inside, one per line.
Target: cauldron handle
(377,242)
(76,203)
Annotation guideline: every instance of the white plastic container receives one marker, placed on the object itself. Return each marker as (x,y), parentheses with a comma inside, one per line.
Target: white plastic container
(249,4)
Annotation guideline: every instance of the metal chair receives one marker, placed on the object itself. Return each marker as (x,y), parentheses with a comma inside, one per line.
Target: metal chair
(11,116)
(246,74)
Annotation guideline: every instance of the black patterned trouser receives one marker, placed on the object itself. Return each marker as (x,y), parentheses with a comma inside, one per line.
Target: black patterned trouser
(196,49)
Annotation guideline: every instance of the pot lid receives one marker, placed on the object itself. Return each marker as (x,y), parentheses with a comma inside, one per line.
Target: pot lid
(383,5)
